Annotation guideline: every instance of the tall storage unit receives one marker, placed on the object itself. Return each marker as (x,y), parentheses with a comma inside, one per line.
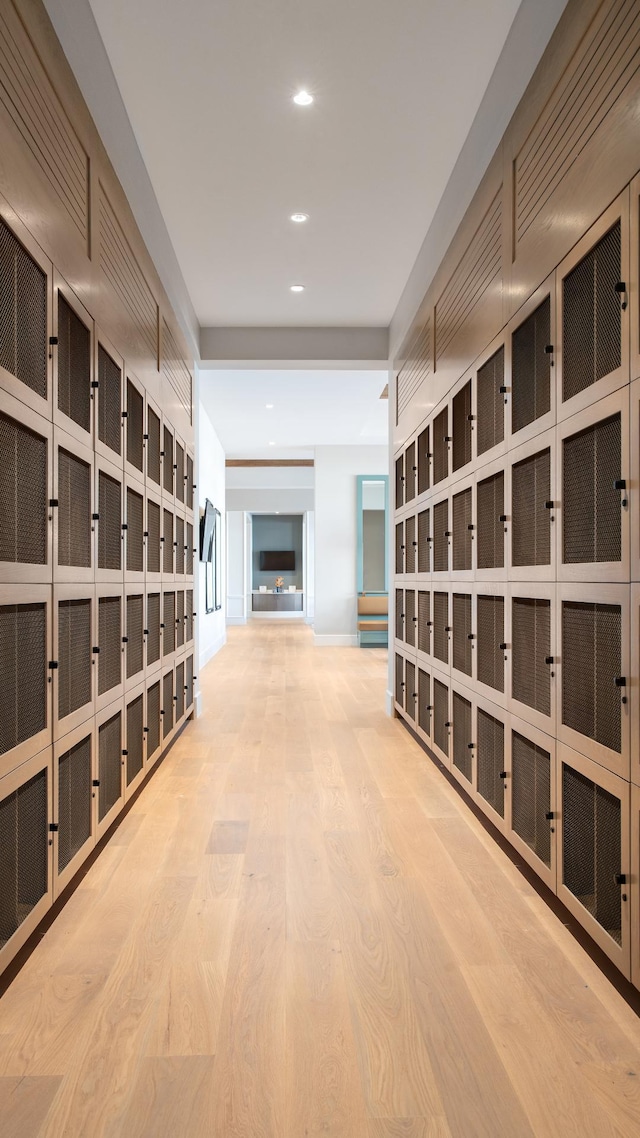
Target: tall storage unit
(96,449)
(524,653)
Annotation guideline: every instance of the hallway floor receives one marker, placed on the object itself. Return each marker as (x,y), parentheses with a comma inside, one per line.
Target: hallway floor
(301,930)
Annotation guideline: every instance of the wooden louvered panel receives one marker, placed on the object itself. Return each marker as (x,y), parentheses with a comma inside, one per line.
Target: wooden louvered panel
(478,268)
(121,269)
(175,369)
(416,367)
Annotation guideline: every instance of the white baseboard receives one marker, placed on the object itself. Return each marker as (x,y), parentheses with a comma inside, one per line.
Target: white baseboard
(389,703)
(236,620)
(335,641)
(277,616)
(197,711)
(211,651)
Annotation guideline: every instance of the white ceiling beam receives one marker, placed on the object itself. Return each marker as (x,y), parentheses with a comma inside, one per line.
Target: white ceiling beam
(286,348)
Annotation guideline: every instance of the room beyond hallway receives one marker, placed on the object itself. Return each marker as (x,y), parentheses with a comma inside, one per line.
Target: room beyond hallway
(300,929)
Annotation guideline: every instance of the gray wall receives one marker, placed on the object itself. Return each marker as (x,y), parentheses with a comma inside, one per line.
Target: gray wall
(373,533)
(276,532)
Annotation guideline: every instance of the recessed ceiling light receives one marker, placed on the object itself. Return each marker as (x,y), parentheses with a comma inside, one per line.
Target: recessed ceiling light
(303,98)
(297,288)
(299,217)
(269,406)
(272,444)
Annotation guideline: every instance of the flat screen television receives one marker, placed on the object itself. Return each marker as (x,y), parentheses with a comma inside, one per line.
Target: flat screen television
(277,560)
(207,526)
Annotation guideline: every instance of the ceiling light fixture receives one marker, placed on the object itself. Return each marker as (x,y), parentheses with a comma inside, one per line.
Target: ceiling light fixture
(272,444)
(269,406)
(303,99)
(297,288)
(299,218)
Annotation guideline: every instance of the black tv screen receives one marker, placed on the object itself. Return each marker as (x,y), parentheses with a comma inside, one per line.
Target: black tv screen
(207,524)
(277,560)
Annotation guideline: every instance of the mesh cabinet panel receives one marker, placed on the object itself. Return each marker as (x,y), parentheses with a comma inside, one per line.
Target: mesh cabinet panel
(153,537)
(23,314)
(440,539)
(23,500)
(135,531)
(440,625)
(190,551)
(180,495)
(189,683)
(23,673)
(400,680)
(423,461)
(153,628)
(490,528)
(23,853)
(135,641)
(179,618)
(424,551)
(441,716)
(591,316)
(190,483)
(135,426)
(109,525)
(424,622)
(400,547)
(109,764)
(74,801)
(592,528)
(410,473)
(110,643)
(110,402)
(462,657)
(153,718)
(399,467)
(410,619)
(167,460)
(461,507)
(531,529)
(167,541)
(490,637)
(531,795)
(189,615)
(167,704)
(411,544)
(591,662)
(179,544)
(424,701)
(440,446)
(490,402)
(531,368)
(74,510)
(135,715)
(168,623)
(490,760)
(153,446)
(74,656)
(531,632)
(461,414)
(74,366)
(400,614)
(411,694)
(179,701)
(461,713)
(592,848)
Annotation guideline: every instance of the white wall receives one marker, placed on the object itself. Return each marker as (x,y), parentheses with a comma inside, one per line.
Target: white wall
(211,484)
(267,489)
(236,567)
(336,468)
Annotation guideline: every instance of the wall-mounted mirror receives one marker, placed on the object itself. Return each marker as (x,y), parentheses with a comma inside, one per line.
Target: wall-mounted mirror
(372,507)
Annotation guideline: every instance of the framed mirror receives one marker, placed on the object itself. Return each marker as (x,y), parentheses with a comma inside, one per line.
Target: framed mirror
(372,513)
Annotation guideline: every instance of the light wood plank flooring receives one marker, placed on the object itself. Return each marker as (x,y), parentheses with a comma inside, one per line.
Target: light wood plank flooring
(301,930)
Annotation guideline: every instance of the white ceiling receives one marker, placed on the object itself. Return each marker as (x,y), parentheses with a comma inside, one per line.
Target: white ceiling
(207,85)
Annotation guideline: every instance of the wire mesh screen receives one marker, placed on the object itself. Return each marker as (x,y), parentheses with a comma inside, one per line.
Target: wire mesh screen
(461,506)
(591,663)
(153,628)
(23,494)
(189,615)
(135,640)
(110,522)
(179,544)
(135,426)
(179,618)
(74,510)
(400,547)
(592,529)
(169,623)
(153,446)
(531,795)
(23,853)
(23,314)
(591,316)
(400,680)
(167,704)
(490,661)
(180,495)
(110,643)
(531,368)
(441,716)
(153,536)
(490,760)
(167,460)
(423,461)
(440,626)
(190,482)
(410,694)
(179,691)
(424,548)
(462,643)
(135,724)
(153,719)
(461,415)
(74,801)
(462,755)
(410,619)
(592,848)
(189,551)
(531,528)
(74,366)
(74,656)
(440,536)
(490,528)
(411,544)
(424,701)
(23,673)
(109,764)
(110,402)
(400,614)
(189,682)
(167,541)
(490,402)
(440,446)
(399,481)
(410,470)
(135,531)
(531,633)
(424,622)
